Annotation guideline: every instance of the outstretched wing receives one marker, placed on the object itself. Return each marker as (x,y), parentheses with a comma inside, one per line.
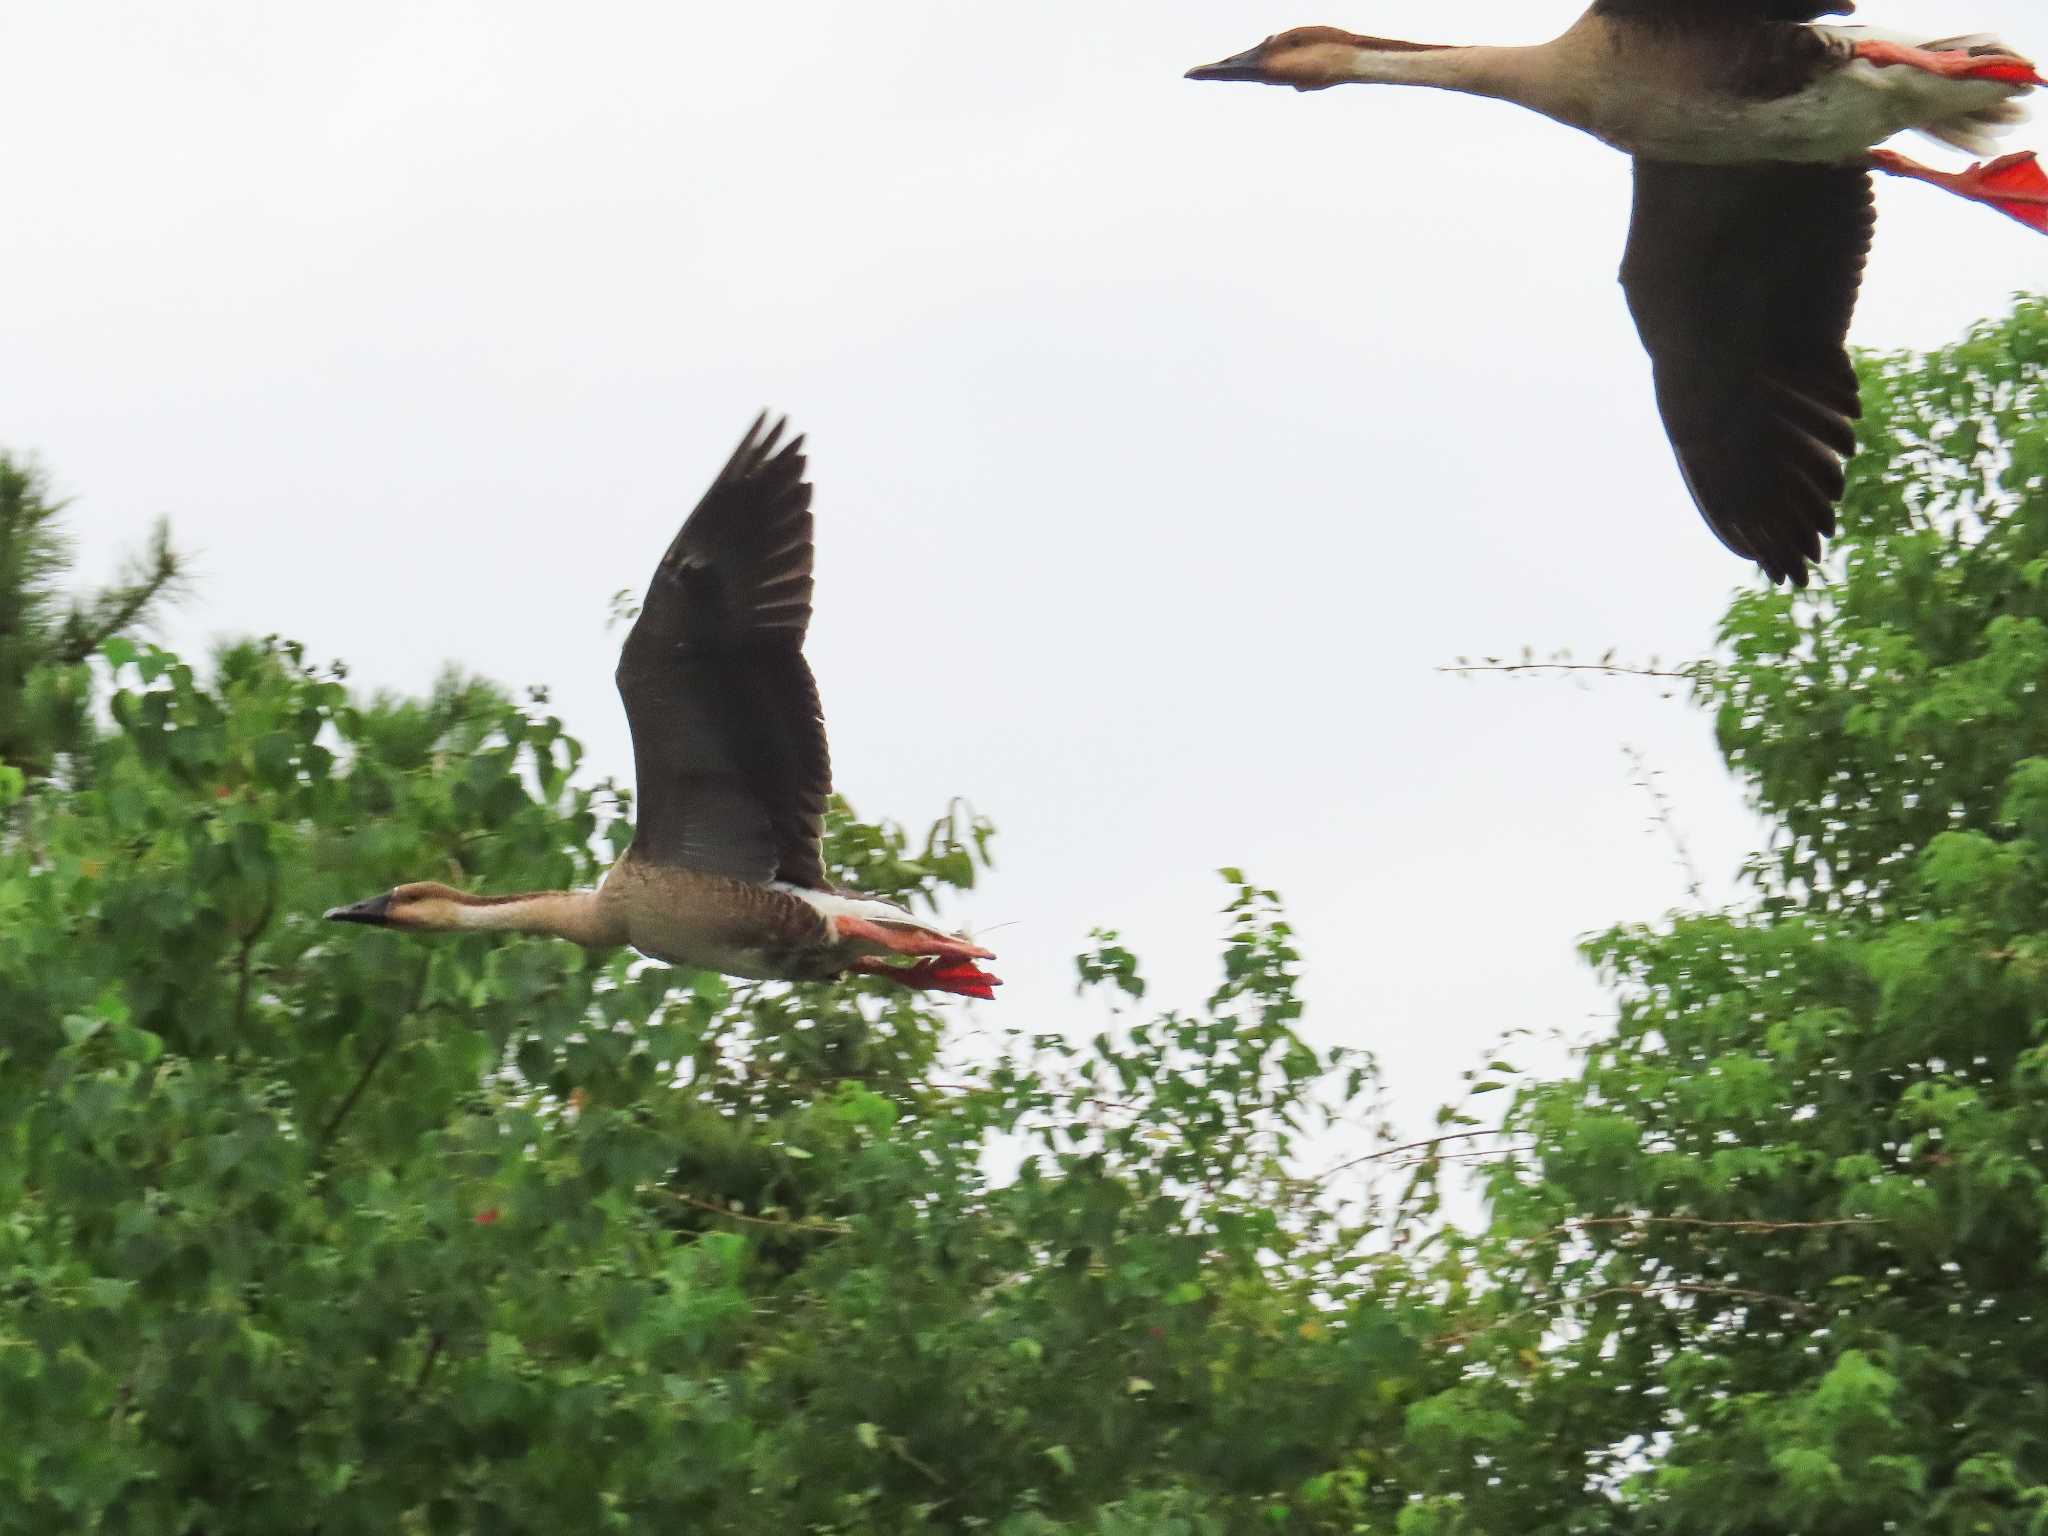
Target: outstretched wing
(1742,280)
(728,735)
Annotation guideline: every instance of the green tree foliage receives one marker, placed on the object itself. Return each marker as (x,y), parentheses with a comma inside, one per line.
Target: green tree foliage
(313,1229)
(317,1228)
(44,641)
(1785,1236)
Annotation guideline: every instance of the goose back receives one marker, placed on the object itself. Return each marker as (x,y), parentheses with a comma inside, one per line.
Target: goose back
(1717,48)
(1685,13)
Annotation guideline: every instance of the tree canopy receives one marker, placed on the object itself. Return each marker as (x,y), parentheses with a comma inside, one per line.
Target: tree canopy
(304,1229)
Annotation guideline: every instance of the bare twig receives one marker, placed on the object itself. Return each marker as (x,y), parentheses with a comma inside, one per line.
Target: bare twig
(1690,673)
(1406,1146)
(1645,779)
(1466,1157)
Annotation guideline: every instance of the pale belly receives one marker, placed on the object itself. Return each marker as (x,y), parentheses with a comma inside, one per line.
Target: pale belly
(663,922)
(750,964)
(1837,119)
(686,938)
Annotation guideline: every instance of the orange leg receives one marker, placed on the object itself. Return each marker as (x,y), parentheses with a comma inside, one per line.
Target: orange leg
(897,939)
(1953,63)
(2013,184)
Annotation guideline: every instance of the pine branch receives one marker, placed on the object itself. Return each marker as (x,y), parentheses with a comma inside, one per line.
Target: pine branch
(156,575)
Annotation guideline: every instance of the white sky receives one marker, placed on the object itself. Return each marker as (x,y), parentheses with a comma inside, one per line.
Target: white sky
(1167,436)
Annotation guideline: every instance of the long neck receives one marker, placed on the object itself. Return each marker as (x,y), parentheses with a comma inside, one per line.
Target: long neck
(582,917)
(1508,74)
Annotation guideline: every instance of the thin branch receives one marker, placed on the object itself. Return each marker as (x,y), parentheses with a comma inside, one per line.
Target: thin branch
(1060,1095)
(1576,1222)
(243,967)
(1406,1146)
(1666,817)
(783,1223)
(900,1447)
(1464,1157)
(362,1081)
(1692,672)
(1639,1292)
(1700,1288)
(434,1346)
(376,1060)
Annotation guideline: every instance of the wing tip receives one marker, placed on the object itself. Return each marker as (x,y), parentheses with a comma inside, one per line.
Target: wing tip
(763,446)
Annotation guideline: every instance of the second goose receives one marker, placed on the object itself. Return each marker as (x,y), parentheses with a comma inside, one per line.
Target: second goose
(1753,131)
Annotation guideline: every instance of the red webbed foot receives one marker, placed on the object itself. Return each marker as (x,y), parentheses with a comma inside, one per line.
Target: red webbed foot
(933,973)
(2015,184)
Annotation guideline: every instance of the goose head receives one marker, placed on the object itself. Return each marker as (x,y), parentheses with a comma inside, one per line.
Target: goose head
(421,907)
(1307,58)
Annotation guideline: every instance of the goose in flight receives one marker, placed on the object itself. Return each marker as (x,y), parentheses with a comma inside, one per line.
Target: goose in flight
(1754,130)
(726,869)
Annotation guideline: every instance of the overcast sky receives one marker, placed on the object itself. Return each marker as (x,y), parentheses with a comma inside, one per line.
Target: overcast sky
(1167,437)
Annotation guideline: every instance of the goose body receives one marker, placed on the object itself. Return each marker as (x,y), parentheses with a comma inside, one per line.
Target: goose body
(773,932)
(1842,110)
(1754,128)
(726,868)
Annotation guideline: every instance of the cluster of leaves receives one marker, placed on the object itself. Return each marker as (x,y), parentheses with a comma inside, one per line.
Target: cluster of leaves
(307,1225)
(1787,1231)
(308,1228)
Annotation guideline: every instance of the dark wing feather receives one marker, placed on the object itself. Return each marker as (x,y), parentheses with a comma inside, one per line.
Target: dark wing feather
(1710,11)
(728,735)
(1742,280)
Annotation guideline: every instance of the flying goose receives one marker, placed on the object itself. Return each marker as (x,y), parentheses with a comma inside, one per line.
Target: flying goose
(1752,129)
(726,870)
